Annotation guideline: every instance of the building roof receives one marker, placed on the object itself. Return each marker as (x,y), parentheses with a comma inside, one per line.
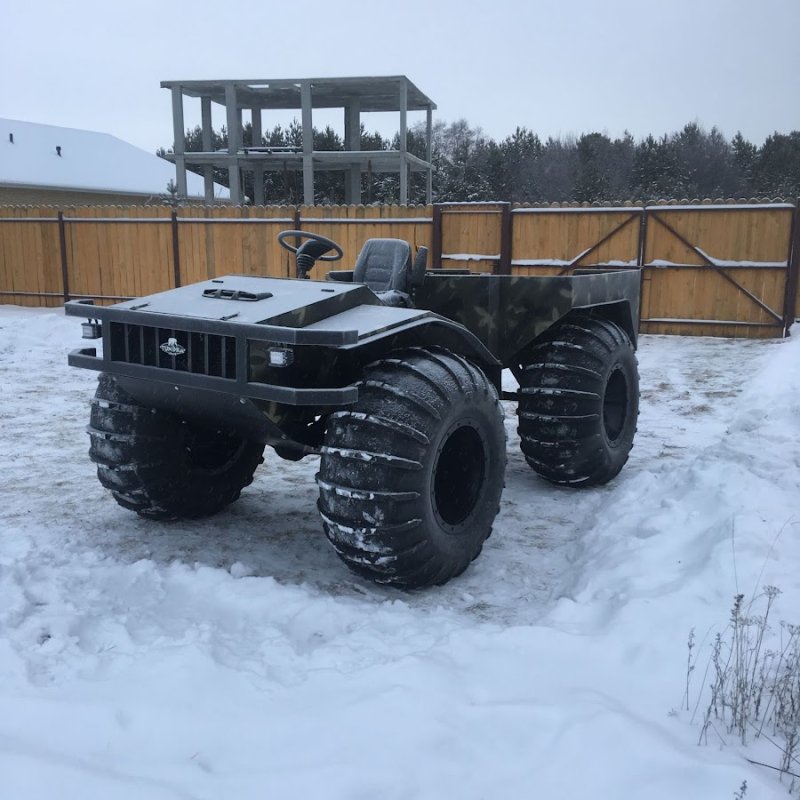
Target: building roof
(380,93)
(89,162)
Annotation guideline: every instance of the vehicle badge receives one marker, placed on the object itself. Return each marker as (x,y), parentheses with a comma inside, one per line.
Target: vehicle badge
(172,348)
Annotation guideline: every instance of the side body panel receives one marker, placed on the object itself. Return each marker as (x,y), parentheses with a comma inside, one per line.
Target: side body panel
(507,312)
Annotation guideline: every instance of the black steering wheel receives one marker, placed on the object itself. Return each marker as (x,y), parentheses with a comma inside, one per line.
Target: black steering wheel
(312,250)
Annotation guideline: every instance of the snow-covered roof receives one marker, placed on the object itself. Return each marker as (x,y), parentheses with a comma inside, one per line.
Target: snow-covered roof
(90,162)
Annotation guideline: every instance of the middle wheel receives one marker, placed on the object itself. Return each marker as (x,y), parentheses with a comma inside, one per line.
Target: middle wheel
(411,476)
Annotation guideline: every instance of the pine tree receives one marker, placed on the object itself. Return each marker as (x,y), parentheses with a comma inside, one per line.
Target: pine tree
(778,166)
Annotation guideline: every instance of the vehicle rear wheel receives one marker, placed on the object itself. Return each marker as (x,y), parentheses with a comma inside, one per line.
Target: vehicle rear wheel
(579,402)
(411,476)
(162,466)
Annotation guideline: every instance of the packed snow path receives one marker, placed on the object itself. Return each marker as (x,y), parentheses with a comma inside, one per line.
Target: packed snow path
(237,657)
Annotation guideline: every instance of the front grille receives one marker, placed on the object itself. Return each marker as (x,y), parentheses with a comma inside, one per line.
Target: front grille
(203,353)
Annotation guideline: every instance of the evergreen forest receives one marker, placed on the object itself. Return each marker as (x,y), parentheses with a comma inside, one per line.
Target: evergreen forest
(522,168)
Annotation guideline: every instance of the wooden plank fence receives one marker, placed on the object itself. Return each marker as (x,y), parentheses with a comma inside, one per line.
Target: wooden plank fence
(718,269)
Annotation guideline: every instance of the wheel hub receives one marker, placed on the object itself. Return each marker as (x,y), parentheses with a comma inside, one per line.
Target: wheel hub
(615,404)
(458,475)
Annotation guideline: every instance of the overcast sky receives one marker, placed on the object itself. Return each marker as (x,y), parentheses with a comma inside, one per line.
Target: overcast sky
(557,67)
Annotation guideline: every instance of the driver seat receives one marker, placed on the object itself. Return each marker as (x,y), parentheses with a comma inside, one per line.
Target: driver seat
(384,265)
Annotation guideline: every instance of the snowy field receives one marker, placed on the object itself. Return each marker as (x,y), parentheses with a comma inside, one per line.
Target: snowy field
(238,657)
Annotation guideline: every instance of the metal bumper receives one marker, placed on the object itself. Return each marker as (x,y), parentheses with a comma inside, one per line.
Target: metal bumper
(87,358)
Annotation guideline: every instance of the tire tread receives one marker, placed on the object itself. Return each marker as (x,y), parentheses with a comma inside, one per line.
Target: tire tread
(560,412)
(402,401)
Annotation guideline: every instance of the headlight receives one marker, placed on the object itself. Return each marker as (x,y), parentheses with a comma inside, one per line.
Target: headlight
(92,329)
(280,356)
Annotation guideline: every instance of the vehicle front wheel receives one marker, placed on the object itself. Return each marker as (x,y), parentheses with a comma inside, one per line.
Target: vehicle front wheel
(162,466)
(411,476)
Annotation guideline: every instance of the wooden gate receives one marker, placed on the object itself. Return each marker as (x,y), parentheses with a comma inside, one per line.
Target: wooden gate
(718,270)
(708,270)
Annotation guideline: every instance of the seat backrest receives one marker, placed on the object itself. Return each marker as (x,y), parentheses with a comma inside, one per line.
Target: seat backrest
(417,275)
(383,265)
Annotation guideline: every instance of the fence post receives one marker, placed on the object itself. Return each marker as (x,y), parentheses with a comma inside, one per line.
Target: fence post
(504,264)
(436,237)
(792,270)
(176,251)
(62,243)
(642,237)
(643,312)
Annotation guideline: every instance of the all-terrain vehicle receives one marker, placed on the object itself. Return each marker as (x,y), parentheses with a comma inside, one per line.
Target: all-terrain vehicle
(390,372)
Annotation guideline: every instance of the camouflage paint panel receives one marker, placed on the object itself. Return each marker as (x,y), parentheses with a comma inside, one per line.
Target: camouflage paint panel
(594,289)
(507,312)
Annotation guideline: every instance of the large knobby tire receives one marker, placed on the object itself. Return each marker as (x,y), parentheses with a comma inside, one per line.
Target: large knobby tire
(411,476)
(161,466)
(579,402)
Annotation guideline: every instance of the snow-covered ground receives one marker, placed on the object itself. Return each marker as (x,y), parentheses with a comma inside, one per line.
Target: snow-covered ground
(238,658)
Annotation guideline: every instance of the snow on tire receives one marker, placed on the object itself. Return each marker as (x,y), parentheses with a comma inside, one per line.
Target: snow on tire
(579,402)
(411,476)
(161,466)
